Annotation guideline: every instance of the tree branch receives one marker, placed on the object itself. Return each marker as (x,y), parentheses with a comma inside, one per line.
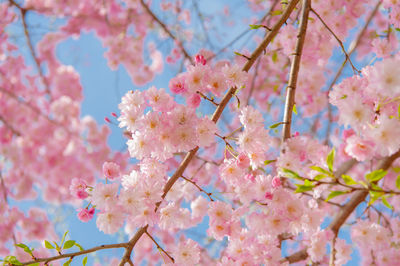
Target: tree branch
(217,114)
(74,254)
(294,71)
(165,28)
(345,212)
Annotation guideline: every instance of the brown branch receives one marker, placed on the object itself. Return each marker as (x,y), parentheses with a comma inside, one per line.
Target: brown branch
(9,126)
(347,56)
(217,114)
(346,211)
(159,247)
(74,254)
(32,51)
(165,28)
(294,71)
(199,188)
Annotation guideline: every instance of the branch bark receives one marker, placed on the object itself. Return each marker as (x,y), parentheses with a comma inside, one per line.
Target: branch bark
(294,70)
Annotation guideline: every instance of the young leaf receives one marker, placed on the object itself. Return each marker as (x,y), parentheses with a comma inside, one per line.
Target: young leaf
(348,180)
(335,194)
(330,159)
(375,175)
(276,12)
(48,245)
(63,238)
(84,261)
(254,27)
(274,56)
(69,244)
(276,124)
(398,182)
(25,248)
(321,170)
(291,174)
(34,264)
(267,162)
(386,203)
(294,109)
(67,263)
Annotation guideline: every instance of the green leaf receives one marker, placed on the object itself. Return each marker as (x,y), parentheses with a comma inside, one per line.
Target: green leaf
(335,194)
(348,180)
(48,245)
(330,159)
(254,27)
(274,56)
(84,261)
(25,248)
(67,263)
(319,177)
(398,182)
(375,175)
(307,186)
(276,124)
(69,244)
(267,162)
(13,260)
(291,174)
(294,109)
(63,238)
(398,29)
(386,203)
(321,170)
(34,264)
(303,188)
(365,185)
(276,12)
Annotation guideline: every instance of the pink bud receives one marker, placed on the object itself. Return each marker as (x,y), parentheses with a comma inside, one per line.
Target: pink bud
(268,196)
(85,215)
(114,114)
(276,182)
(107,120)
(296,134)
(242,161)
(199,59)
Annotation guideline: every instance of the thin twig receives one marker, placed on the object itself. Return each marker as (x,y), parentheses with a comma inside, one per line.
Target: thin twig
(159,247)
(9,126)
(23,12)
(338,40)
(354,44)
(165,28)
(202,190)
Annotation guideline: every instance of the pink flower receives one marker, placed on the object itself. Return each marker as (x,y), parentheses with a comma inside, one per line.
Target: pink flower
(177,84)
(85,215)
(193,100)
(78,188)
(187,253)
(111,170)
